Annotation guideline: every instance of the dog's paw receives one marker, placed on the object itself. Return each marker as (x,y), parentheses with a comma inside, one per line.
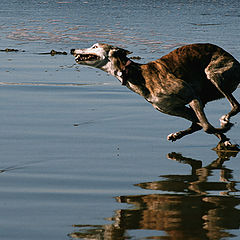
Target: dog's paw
(227,147)
(224,120)
(170,137)
(227,143)
(173,137)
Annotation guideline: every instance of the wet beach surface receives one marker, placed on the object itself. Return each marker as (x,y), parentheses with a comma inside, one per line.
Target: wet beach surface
(82,157)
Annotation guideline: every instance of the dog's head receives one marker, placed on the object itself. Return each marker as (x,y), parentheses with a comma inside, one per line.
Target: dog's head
(106,57)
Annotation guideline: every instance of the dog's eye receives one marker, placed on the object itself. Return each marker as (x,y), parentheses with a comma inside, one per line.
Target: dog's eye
(95,46)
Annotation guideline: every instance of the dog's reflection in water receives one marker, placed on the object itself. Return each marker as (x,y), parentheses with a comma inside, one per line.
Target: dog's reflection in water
(197,181)
(197,209)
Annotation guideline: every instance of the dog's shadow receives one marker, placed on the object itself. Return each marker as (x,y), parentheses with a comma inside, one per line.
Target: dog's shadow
(190,206)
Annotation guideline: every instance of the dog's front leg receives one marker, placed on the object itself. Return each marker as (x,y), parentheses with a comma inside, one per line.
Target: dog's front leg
(183,112)
(175,136)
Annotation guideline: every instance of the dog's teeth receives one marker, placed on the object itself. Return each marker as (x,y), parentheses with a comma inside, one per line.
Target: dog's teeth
(86,57)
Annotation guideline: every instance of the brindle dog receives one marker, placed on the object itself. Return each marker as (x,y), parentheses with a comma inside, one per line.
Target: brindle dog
(179,83)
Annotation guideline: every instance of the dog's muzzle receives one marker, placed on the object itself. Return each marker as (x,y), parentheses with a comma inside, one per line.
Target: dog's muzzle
(81,56)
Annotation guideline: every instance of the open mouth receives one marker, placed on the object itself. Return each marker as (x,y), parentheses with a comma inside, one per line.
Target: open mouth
(86,57)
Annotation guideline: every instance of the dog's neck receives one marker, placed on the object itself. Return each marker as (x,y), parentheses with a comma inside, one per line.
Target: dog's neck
(128,73)
(125,71)
(118,68)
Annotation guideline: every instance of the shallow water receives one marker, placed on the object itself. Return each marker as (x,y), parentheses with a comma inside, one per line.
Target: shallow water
(82,156)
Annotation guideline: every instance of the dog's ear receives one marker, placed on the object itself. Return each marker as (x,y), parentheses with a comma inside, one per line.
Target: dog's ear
(120,52)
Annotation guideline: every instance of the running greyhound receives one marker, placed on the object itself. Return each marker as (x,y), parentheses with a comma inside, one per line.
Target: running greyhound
(179,83)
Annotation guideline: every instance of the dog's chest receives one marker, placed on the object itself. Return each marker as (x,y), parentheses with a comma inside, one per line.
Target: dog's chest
(134,88)
(138,88)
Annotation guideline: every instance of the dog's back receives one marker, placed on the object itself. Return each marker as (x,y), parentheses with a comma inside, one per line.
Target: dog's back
(189,63)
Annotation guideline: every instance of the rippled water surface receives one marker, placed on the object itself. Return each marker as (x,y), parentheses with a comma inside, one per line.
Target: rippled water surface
(82,157)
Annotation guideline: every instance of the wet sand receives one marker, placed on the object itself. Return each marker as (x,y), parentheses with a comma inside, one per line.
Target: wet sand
(67,150)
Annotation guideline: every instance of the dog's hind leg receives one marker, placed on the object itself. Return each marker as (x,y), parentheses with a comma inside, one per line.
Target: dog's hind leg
(235,106)
(224,120)
(226,80)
